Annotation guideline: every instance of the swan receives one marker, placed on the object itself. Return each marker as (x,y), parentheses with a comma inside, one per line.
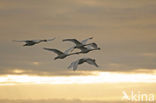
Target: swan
(75,64)
(61,55)
(78,44)
(88,48)
(33,42)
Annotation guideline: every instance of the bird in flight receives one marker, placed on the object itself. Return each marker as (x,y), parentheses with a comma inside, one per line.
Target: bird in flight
(88,48)
(74,65)
(61,55)
(77,43)
(33,42)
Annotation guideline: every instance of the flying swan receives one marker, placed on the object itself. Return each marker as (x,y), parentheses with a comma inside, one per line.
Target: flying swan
(74,65)
(88,48)
(77,43)
(33,42)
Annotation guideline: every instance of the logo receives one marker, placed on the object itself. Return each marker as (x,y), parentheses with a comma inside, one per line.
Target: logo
(137,96)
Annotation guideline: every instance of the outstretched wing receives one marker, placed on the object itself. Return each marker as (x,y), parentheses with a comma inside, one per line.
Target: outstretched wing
(54,50)
(71,65)
(20,40)
(92,62)
(73,40)
(69,50)
(85,41)
(27,41)
(51,39)
(74,65)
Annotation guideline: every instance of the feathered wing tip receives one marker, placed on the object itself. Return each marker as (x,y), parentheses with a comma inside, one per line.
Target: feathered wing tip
(74,65)
(70,66)
(47,40)
(97,65)
(85,41)
(49,49)
(52,39)
(46,48)
(19,40)
(69,50)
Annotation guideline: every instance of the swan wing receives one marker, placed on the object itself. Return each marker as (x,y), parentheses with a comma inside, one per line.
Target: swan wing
(58,52)
(51,39)
(73,40)
(69,50)
(74,65)
(85,41)
(20,40)
(27,41)
(92,62)
(71,65)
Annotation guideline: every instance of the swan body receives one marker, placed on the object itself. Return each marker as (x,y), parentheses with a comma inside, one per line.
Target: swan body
(88,48)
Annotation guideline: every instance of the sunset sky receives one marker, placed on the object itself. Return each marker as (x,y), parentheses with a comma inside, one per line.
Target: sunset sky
(125,30)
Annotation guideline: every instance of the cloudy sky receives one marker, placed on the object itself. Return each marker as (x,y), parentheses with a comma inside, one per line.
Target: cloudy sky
(125,30)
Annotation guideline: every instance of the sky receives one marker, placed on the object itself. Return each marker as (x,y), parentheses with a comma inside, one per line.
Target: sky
(123,29)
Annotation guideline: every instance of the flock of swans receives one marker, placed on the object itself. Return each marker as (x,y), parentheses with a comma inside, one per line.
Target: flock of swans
(81,45)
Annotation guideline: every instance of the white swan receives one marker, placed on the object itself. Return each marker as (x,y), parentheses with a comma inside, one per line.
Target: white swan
(78,44)
(33,42)
(75,64)
(61,55)
(88,48)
